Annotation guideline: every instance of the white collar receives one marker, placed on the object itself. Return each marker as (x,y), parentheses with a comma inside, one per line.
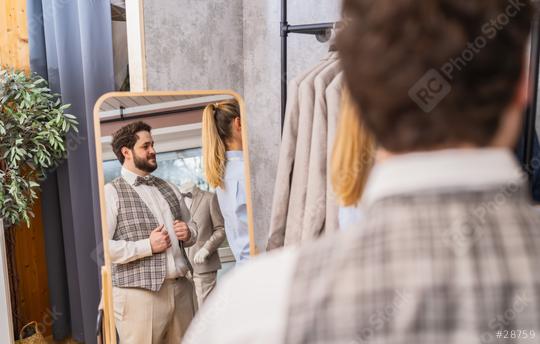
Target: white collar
(456,169)
(129,176)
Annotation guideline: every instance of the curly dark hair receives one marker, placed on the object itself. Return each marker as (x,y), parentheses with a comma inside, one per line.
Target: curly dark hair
(436,73)
(127,137)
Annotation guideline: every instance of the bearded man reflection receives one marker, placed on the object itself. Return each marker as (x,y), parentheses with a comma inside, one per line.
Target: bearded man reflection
(149,226)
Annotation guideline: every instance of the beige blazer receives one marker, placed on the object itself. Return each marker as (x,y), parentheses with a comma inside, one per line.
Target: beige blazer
(206,214)
(333,100)
(297,201)
(280,202)
(315,205)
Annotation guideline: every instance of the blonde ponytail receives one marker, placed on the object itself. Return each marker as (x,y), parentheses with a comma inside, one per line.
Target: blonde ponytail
(353,154)
(216,129)
(213,149)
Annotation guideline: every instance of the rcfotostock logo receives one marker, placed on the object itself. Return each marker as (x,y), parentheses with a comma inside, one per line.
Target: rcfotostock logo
(430,90)
(435,85)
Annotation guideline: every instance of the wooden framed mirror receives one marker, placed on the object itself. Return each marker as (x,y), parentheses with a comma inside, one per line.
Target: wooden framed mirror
(175,119)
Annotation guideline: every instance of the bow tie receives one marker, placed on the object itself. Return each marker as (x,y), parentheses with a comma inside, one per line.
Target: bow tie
(187,194)
(150,181)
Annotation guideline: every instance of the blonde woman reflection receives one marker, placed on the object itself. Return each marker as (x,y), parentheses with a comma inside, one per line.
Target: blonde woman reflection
(224,170)
(353,157)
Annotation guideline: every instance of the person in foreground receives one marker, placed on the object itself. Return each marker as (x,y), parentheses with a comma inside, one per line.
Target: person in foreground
(149,225)
(448,250)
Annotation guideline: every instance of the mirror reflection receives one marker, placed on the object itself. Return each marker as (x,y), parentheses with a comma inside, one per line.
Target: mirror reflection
(175,207)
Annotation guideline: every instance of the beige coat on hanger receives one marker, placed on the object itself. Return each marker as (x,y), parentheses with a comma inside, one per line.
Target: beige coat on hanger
(333,96)
(315,206)
(297,201)
(280,203)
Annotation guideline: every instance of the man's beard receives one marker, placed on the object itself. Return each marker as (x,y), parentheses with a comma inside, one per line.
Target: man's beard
(144,164)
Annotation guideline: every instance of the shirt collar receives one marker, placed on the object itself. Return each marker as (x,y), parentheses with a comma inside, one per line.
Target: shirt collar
(129,176)
(457,169)
(234,155)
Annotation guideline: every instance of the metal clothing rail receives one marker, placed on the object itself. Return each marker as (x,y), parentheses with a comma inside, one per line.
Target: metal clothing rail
(321,30)
(123,118)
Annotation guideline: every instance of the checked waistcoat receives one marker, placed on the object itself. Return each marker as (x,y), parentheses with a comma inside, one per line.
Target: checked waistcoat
(135,221)
(447,267)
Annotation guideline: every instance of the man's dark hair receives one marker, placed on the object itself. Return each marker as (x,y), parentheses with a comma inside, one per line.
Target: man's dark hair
(401,57)
(127,137)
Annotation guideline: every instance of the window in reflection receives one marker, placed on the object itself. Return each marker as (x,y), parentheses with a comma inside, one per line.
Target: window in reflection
(177,167)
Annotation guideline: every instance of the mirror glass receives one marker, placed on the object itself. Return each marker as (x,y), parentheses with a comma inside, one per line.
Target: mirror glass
(164,222)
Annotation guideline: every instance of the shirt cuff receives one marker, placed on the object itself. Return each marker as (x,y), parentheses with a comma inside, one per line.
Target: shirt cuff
(144,247)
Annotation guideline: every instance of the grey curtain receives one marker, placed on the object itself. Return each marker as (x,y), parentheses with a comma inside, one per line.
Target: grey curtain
(71,46)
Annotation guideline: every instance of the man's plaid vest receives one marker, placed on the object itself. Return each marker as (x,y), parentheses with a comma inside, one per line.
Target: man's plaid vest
(434,267)
(135,222)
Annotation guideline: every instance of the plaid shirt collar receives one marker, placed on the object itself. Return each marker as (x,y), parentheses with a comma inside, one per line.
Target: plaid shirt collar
(456,169)
(129,176)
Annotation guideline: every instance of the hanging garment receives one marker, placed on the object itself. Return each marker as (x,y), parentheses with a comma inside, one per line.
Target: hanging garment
(280,203)
(315,203)
(333,100)
(297,200)
(206,213)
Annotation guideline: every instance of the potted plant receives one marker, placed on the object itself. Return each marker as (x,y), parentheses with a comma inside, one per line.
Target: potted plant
(33,134)
(34,129)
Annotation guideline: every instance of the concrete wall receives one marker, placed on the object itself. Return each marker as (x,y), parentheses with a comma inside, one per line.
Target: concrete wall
(194,44)
(235,44)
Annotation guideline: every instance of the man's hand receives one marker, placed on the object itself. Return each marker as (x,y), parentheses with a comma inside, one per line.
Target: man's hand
(182,231)
(159,239)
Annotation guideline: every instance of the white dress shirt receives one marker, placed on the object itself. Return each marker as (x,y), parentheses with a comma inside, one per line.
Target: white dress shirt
(122,251)
(188,202)
(251,303)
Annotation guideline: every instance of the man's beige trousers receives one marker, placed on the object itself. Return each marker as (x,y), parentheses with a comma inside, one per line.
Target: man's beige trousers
(146,317)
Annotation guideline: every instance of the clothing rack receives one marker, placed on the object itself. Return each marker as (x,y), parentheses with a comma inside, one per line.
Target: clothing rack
(323,29)
(320,30)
